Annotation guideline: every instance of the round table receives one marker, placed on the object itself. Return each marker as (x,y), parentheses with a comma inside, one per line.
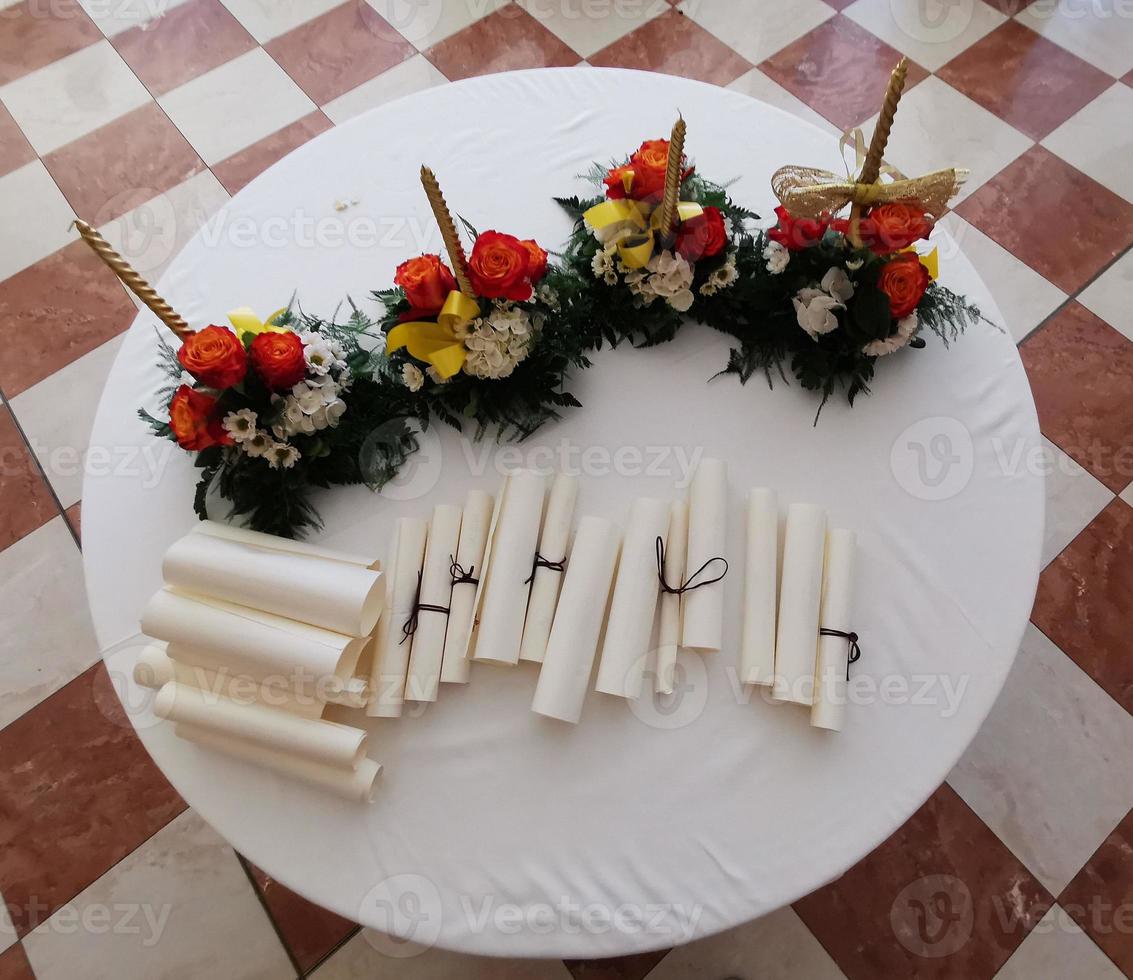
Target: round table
(495,830)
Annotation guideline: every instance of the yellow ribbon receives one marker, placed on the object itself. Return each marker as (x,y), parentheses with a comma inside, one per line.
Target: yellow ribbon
(246,321)
(635,226)
(439,343)
(930,260)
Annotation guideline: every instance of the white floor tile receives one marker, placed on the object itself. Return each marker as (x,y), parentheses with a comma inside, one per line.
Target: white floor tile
(757,28)
(588,27)
(1057,948)
(37,218)
(759,86)
(937,127)
(57,414)
(231,107)
(365,958)
(426,22)
(193,913)
(41,579)
(151,235)
(1024,297)
(1127,494)
(1097,31)
(1096,139)
(929,32)
(73,96)
(1073,498)
(1110,296)
(777,947)
(7,930)
(266,19)
(1049,772)
(120,15)
(412,75)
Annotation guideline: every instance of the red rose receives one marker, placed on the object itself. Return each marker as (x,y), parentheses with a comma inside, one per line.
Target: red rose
(615,182)
(536,259)
(892,227)
(195,421)
(497,267)
(278,359)
(795,234)
(904,280)
(426,282)
(702,236)
(215,357)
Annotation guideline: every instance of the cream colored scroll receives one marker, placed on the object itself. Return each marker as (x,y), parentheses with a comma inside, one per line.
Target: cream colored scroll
(669,630)
(702,614)
(392,647)
(436,591)
(796,644)
(325,742)
(261,644)
(334,595)
(501,597)
(836,613)
(545,586)
(357,784)
(625,648)
(469,559)
(761,580)
(273,542)
(565,675)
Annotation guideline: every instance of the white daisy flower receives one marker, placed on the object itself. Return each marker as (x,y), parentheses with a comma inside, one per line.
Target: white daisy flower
(241,425)
(282,455)
(257,444)
(777,256)
(906,327)
(412,377)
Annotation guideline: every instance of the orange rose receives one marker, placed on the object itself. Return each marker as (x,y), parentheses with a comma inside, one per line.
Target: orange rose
(278,359)
(536,259)
(426,282)
(615,182)
(215,357)
(497,267)
(904,280)
(195,421)
(892,227)
(649,165)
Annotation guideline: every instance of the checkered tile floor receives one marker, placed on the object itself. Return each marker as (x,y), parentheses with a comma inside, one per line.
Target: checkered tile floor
(143,116)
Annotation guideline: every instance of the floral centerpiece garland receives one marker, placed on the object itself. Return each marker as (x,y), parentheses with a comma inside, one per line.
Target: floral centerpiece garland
(659,242)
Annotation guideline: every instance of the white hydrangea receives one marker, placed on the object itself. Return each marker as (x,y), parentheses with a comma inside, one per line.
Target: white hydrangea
(412,377)
(815,311)
(282,455)
(668,276)
(241,425)
(906,327)
(720,278)
(777,256)
(545,294)
(838,284)
(497,342)
(307,408)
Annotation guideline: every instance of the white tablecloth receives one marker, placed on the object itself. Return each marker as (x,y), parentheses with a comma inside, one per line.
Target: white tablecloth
(498,831)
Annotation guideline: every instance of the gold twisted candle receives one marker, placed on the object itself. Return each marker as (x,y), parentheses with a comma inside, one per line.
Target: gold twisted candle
(448,230)
(672,177)
(134,282)
(871,168)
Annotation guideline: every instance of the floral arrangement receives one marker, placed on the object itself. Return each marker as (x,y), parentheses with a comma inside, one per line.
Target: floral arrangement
(274,408)
(491,336)
(659,241)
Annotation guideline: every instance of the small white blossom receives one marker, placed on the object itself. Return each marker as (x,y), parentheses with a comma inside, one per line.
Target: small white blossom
(334,411)
(815,311)
(412,377)
(241,425)
(257,444)
(854,264)
(545,294)
(777,256)
(322,355)
(282,454)
(906,327)
(838,284)
(670,277)
(603,265)
(498,341)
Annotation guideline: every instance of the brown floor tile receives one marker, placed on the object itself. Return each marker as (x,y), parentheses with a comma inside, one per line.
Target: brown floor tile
(14,964)
(840,70)
(123,164)
(56,311)
(243,167)
(505,40)
(1024,79)
(1081,374)
(1085,601)
(675,45)
(77,794)
(339,51)
(74,518)
(616,968)
(182,43)
(27,500)
(1100,898)
(15,150)
(310,931)
(37,32)
(1062,223)
(943,897)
